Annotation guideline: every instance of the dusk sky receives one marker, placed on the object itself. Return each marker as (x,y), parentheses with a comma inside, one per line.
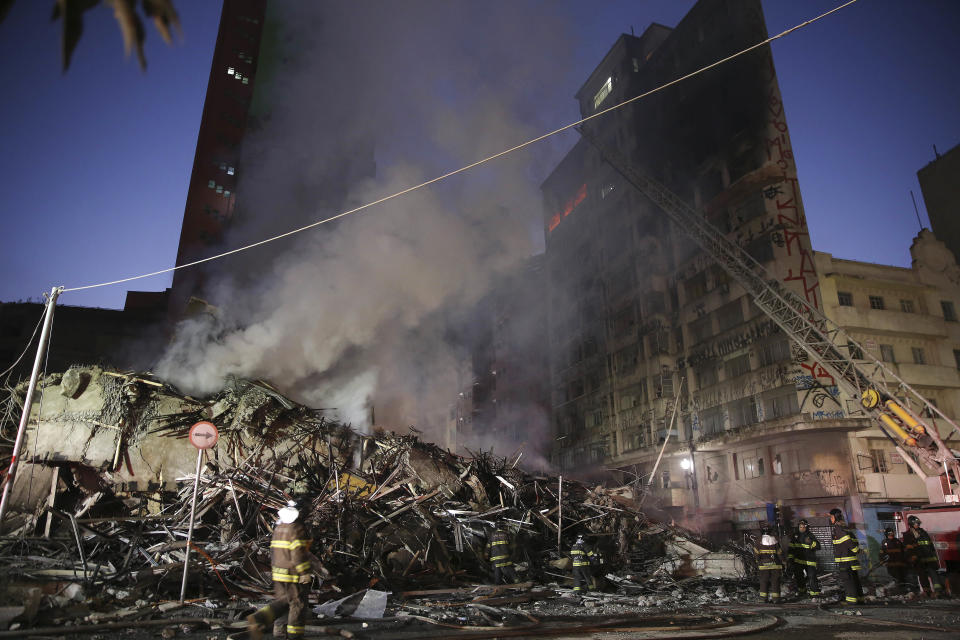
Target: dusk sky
(96,162)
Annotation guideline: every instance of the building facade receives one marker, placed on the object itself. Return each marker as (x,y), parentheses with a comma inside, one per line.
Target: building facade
(211,195)
(654,350)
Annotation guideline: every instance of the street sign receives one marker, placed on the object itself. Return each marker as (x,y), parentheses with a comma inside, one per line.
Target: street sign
(203,435)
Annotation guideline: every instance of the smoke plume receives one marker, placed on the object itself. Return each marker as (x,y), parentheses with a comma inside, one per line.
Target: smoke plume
(361,100)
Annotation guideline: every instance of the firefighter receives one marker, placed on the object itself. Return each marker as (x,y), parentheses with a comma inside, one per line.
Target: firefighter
(769,564)
(500,552)
(583,557)
(845,549)
(922,555)
(803,555)
(892,552)
(292,573)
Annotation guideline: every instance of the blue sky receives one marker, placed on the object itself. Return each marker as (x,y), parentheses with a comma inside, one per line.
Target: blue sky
(96,162)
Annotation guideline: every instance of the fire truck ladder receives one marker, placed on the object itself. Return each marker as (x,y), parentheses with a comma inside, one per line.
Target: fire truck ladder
(895,406)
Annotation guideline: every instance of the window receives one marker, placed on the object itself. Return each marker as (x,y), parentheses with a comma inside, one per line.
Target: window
(886,353)
(730,315)
(736,468)
(784,405)
(772,352)
(707,374)
(949,312)
(876,302)
(956,357)
(845,299)
(737,366)
(879,461)
(855,352)
(743,412)
(918,355)
(752,465)
(711,421)
(700,330)
(906,306)
(777,465)
(665,479)
(212,184)
(603,93)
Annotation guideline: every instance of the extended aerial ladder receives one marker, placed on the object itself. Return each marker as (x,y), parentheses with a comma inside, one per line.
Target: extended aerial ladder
(884,396)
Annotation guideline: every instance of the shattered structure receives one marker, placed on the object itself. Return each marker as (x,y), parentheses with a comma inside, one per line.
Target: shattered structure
(104,490)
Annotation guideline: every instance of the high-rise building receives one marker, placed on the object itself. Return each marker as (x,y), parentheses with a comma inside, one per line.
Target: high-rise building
(651,342)
(211,196)
(940,185)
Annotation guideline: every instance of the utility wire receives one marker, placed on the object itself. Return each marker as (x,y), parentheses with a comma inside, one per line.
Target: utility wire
(471,165)
(26,348)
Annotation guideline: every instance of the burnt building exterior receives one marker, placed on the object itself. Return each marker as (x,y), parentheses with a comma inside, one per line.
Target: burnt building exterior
(504,403)
(940,185)
(650,341)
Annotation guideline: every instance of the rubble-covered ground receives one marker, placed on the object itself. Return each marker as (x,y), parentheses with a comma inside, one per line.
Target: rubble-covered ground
(97,538)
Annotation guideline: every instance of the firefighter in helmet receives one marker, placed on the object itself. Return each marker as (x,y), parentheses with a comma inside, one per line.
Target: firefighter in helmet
(892,553)
(500,552)
(803,555)
(582,556)
(922,556)
(769,564)
(292,574)
(845,549)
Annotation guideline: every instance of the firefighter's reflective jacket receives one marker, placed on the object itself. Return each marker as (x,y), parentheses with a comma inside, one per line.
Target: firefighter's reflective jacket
(289,552)
(919,547)
(803,548)
(891,550)
(845,546)
(500,549)
(768,553)
(582,555)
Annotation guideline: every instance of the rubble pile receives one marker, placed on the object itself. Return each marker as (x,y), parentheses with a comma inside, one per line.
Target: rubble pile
(385,510)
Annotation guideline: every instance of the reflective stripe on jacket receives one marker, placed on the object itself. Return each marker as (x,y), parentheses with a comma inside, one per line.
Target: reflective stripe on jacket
(892,551)
(845,546)
(582,555)
(500,548)
(769,556)
(919,547)
(803,548)
(289,552)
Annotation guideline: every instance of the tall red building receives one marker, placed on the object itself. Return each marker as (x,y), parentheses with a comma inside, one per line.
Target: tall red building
(211,197)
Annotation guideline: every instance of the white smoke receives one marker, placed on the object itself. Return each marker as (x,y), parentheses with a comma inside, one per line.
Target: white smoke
(360,310)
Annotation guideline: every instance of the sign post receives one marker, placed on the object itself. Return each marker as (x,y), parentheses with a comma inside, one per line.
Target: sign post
(203,435)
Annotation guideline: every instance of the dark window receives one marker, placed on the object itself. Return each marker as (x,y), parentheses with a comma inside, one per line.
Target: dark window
(772,352)
(737,366)
(876,302)
(886,354)
(855,352)
(956,357)
(919,357)
(844,299)
(906,306)
(879,461)
(949,312)
(736,468)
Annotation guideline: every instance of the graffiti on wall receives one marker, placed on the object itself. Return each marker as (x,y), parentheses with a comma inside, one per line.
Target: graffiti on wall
(819,394)
(829,480)
(794,235)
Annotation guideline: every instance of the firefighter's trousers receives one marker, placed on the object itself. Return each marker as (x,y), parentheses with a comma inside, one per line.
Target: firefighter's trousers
(853,592)
(290,599)
(583,579)
(770,584)
(504,574)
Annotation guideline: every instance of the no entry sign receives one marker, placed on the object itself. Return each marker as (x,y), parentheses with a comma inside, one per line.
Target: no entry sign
(203,435)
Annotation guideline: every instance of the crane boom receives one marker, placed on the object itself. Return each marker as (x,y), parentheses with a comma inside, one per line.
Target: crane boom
(895,406)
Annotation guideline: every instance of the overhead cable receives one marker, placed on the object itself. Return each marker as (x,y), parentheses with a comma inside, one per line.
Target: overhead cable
(469,166)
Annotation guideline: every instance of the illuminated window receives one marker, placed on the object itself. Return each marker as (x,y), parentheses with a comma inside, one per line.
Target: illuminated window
(603,93)
(230,71)
(212,184)
(219,188)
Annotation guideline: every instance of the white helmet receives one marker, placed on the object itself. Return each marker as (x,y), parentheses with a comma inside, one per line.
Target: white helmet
(289,513)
